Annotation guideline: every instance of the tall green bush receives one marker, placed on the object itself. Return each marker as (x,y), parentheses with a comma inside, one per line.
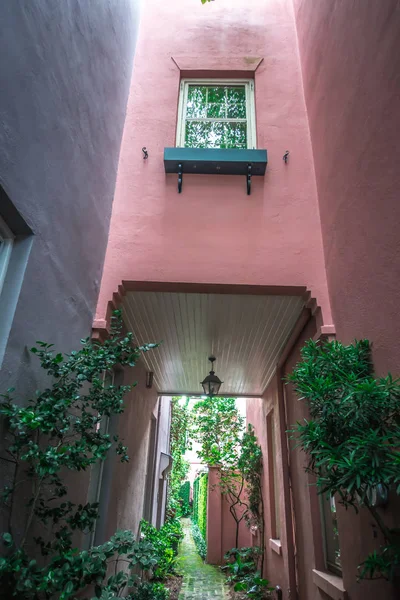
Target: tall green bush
(184,496)
(352,437)
(178,445)
(195,510)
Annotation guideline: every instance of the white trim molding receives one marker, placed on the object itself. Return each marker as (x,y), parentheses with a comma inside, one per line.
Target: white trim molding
(6,244)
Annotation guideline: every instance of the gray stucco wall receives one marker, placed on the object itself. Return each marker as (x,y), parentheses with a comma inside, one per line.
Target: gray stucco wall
(65,70)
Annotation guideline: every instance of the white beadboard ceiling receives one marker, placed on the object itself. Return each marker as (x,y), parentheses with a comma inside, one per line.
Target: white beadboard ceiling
(245,333)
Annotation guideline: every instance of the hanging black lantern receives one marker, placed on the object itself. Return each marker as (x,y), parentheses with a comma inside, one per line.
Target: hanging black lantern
(211,383)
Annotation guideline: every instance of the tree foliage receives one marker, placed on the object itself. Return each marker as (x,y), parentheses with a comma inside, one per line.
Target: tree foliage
(218,427)
(352,437)
(179,443)
(59,431)
(250,464)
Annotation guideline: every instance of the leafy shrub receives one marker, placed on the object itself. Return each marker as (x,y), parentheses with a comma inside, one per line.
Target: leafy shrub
(56,431)
(241,561)
(200,492)
(178,445)
(255,586)
(165,542)
(353,436)
(69,572)
(184,495)
(151,591)
(199,541)
(242,566)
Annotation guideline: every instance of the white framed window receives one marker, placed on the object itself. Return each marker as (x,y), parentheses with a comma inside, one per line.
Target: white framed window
(97,469)
(216,114)
(330,534)
(6,244)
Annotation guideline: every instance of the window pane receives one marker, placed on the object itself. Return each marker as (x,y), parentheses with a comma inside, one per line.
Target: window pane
(216,105)
(235,135)
(332,548)
(203,134)
(196,102)
(236,103)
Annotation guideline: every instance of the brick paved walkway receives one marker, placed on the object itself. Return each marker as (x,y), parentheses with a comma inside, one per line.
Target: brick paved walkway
(200,581)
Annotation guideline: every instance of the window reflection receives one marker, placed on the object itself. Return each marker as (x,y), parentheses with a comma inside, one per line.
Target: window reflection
(216,117)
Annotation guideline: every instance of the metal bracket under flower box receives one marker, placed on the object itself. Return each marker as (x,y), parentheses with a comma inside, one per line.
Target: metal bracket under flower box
(218,161)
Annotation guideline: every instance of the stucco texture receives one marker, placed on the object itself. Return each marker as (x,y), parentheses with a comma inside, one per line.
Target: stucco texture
(213,232)
(221,526)
(66,69)
(350,55)
(124,487)
(276,567)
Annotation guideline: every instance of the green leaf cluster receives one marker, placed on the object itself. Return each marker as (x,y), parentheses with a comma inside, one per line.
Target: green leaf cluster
(199,541)
(60,430)
(184,497)
(250,464)
(179,443)
(165,542)
(254,586)
(71,571)
(200,495)
(218,427)
(352,437)
(241,564)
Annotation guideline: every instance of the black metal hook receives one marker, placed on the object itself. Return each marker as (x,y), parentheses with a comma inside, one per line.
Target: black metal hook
(248,180)
(145,153)
(180,178)
(286,156)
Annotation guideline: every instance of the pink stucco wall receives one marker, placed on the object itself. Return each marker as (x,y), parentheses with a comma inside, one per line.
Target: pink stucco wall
(221,526)
(213,232)
(126,486)
(350,54)
(276,566)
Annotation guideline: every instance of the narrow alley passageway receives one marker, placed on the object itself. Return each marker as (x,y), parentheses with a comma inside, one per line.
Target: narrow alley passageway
(200,581)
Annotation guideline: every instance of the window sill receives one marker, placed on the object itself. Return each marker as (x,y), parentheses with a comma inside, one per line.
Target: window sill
(218,161)
(331,584)
(276,546)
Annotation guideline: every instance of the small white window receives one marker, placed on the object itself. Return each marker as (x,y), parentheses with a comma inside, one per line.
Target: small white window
(330,534)
(6,244)
(216,114)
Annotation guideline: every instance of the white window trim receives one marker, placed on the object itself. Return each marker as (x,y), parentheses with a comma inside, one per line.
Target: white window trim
(97,470)
(7,238)
(250,107)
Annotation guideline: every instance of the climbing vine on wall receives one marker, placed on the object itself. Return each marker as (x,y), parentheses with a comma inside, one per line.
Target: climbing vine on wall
(179,443)
(200,494)
(250,465)
(202,505)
